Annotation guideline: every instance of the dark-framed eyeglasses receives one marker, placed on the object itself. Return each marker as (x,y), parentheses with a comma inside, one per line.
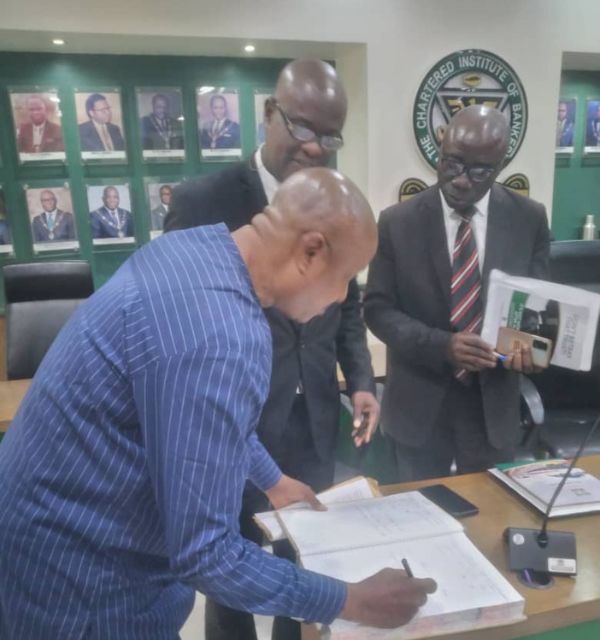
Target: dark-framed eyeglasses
(476,173)
(305,134)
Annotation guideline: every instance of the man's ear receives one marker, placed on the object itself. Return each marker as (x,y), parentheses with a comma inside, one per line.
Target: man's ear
(269,108)
(312,252)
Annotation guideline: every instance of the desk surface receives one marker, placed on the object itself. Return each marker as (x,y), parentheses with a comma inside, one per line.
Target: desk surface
(11,394)
(570,600)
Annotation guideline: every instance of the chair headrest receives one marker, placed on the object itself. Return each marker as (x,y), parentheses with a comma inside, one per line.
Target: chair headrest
(69,279)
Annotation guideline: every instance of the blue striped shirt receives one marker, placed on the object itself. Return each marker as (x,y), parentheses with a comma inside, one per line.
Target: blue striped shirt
(122,474)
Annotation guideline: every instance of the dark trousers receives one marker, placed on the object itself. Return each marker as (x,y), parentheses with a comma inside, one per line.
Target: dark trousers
(298,459)
(458,435)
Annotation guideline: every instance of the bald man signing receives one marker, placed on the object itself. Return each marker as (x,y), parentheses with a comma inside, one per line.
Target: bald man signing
(122,474)
(298,426)
(446,397)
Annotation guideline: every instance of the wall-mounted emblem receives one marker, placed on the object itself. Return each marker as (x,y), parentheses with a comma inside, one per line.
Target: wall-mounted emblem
(410,187)
(518,182)
(463,78)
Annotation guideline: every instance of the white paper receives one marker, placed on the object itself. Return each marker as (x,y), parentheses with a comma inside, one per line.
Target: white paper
(577,320)
(355,489)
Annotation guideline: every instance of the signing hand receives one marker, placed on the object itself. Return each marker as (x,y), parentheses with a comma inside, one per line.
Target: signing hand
(468,351)
(365,419)
(387,599)
(288,490)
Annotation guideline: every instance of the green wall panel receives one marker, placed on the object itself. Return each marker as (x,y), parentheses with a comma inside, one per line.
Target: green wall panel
(583,631)
(67,72)
(576,177)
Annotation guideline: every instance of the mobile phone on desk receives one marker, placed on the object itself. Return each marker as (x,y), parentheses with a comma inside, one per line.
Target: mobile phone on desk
(541,348)
(449,501)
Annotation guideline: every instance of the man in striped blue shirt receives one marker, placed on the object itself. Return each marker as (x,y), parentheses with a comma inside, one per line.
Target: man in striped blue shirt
(123,471)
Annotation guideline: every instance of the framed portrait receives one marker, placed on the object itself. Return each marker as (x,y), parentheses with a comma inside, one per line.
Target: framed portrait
(110,217)
(38,125)
(218,114)
(100,125)
(6,244)
(51,218)
(160,117)
(592,126)
(260,96)
(159,200)
(565,125)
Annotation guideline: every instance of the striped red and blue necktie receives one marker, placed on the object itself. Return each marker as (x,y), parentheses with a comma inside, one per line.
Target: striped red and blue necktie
(466,305)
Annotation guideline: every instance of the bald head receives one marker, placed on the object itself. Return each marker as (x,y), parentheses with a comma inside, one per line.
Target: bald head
(479,127)
(309,95)
(473,150)
(316,236)
(48,200)
(312,81)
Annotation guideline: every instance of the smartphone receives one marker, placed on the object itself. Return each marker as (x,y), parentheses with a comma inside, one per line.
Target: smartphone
(541,348)
(449,501)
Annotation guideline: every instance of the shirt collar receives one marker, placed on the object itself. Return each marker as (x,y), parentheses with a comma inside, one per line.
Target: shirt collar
(481,207)
(268,180)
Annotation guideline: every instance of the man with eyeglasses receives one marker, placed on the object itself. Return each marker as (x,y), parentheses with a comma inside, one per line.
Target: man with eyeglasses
(99,133)
(298,426)
(447,398)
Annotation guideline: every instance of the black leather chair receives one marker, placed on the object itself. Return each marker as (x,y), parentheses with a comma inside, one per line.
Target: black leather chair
(40,297)
(572,398)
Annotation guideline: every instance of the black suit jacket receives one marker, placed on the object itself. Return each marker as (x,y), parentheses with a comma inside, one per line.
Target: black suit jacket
(302,354)
(64,227)
(407,305)
(90,140)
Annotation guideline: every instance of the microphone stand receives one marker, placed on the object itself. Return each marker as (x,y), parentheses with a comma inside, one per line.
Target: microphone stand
(535,554)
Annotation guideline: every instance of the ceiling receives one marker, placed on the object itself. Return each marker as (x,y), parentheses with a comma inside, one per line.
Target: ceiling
(14,40)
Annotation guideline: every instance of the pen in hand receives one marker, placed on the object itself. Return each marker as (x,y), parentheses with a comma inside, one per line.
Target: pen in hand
(407,568)
(362,428)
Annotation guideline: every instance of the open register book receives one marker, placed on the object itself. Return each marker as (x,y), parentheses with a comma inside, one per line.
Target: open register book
(536,482)
(353,540)
(354,489)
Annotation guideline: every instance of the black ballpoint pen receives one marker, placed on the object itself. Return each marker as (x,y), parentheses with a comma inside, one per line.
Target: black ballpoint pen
(407,568)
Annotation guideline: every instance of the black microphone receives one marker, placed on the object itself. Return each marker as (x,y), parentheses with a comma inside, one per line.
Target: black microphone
(537,553)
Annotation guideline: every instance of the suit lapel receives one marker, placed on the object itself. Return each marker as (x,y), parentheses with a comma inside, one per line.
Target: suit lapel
(436,242)
(254,192)
(497,237)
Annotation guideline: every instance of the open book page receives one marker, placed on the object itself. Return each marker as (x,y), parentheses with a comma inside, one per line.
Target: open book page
(471,592)
(365,523)
(568,316)
(537,482)
(355,489)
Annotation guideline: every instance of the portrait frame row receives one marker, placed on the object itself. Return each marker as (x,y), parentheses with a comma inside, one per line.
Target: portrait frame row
(38,123)
(54,227)
(567,124)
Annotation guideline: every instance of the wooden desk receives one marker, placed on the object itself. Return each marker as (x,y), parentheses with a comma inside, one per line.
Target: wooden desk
(570,600)
(11,394)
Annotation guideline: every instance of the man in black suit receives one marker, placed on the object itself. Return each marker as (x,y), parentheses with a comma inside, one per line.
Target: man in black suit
(52,225)
(446,397)
(221,132)
(110,221)
(98,133)
(159,129)
(158,214)
(298,426)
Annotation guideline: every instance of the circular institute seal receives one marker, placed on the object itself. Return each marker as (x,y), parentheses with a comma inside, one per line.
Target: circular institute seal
(461,79)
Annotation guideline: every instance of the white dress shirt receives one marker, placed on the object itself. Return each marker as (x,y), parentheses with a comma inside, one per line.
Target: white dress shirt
(38,134)
(268,180)
(479,220)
